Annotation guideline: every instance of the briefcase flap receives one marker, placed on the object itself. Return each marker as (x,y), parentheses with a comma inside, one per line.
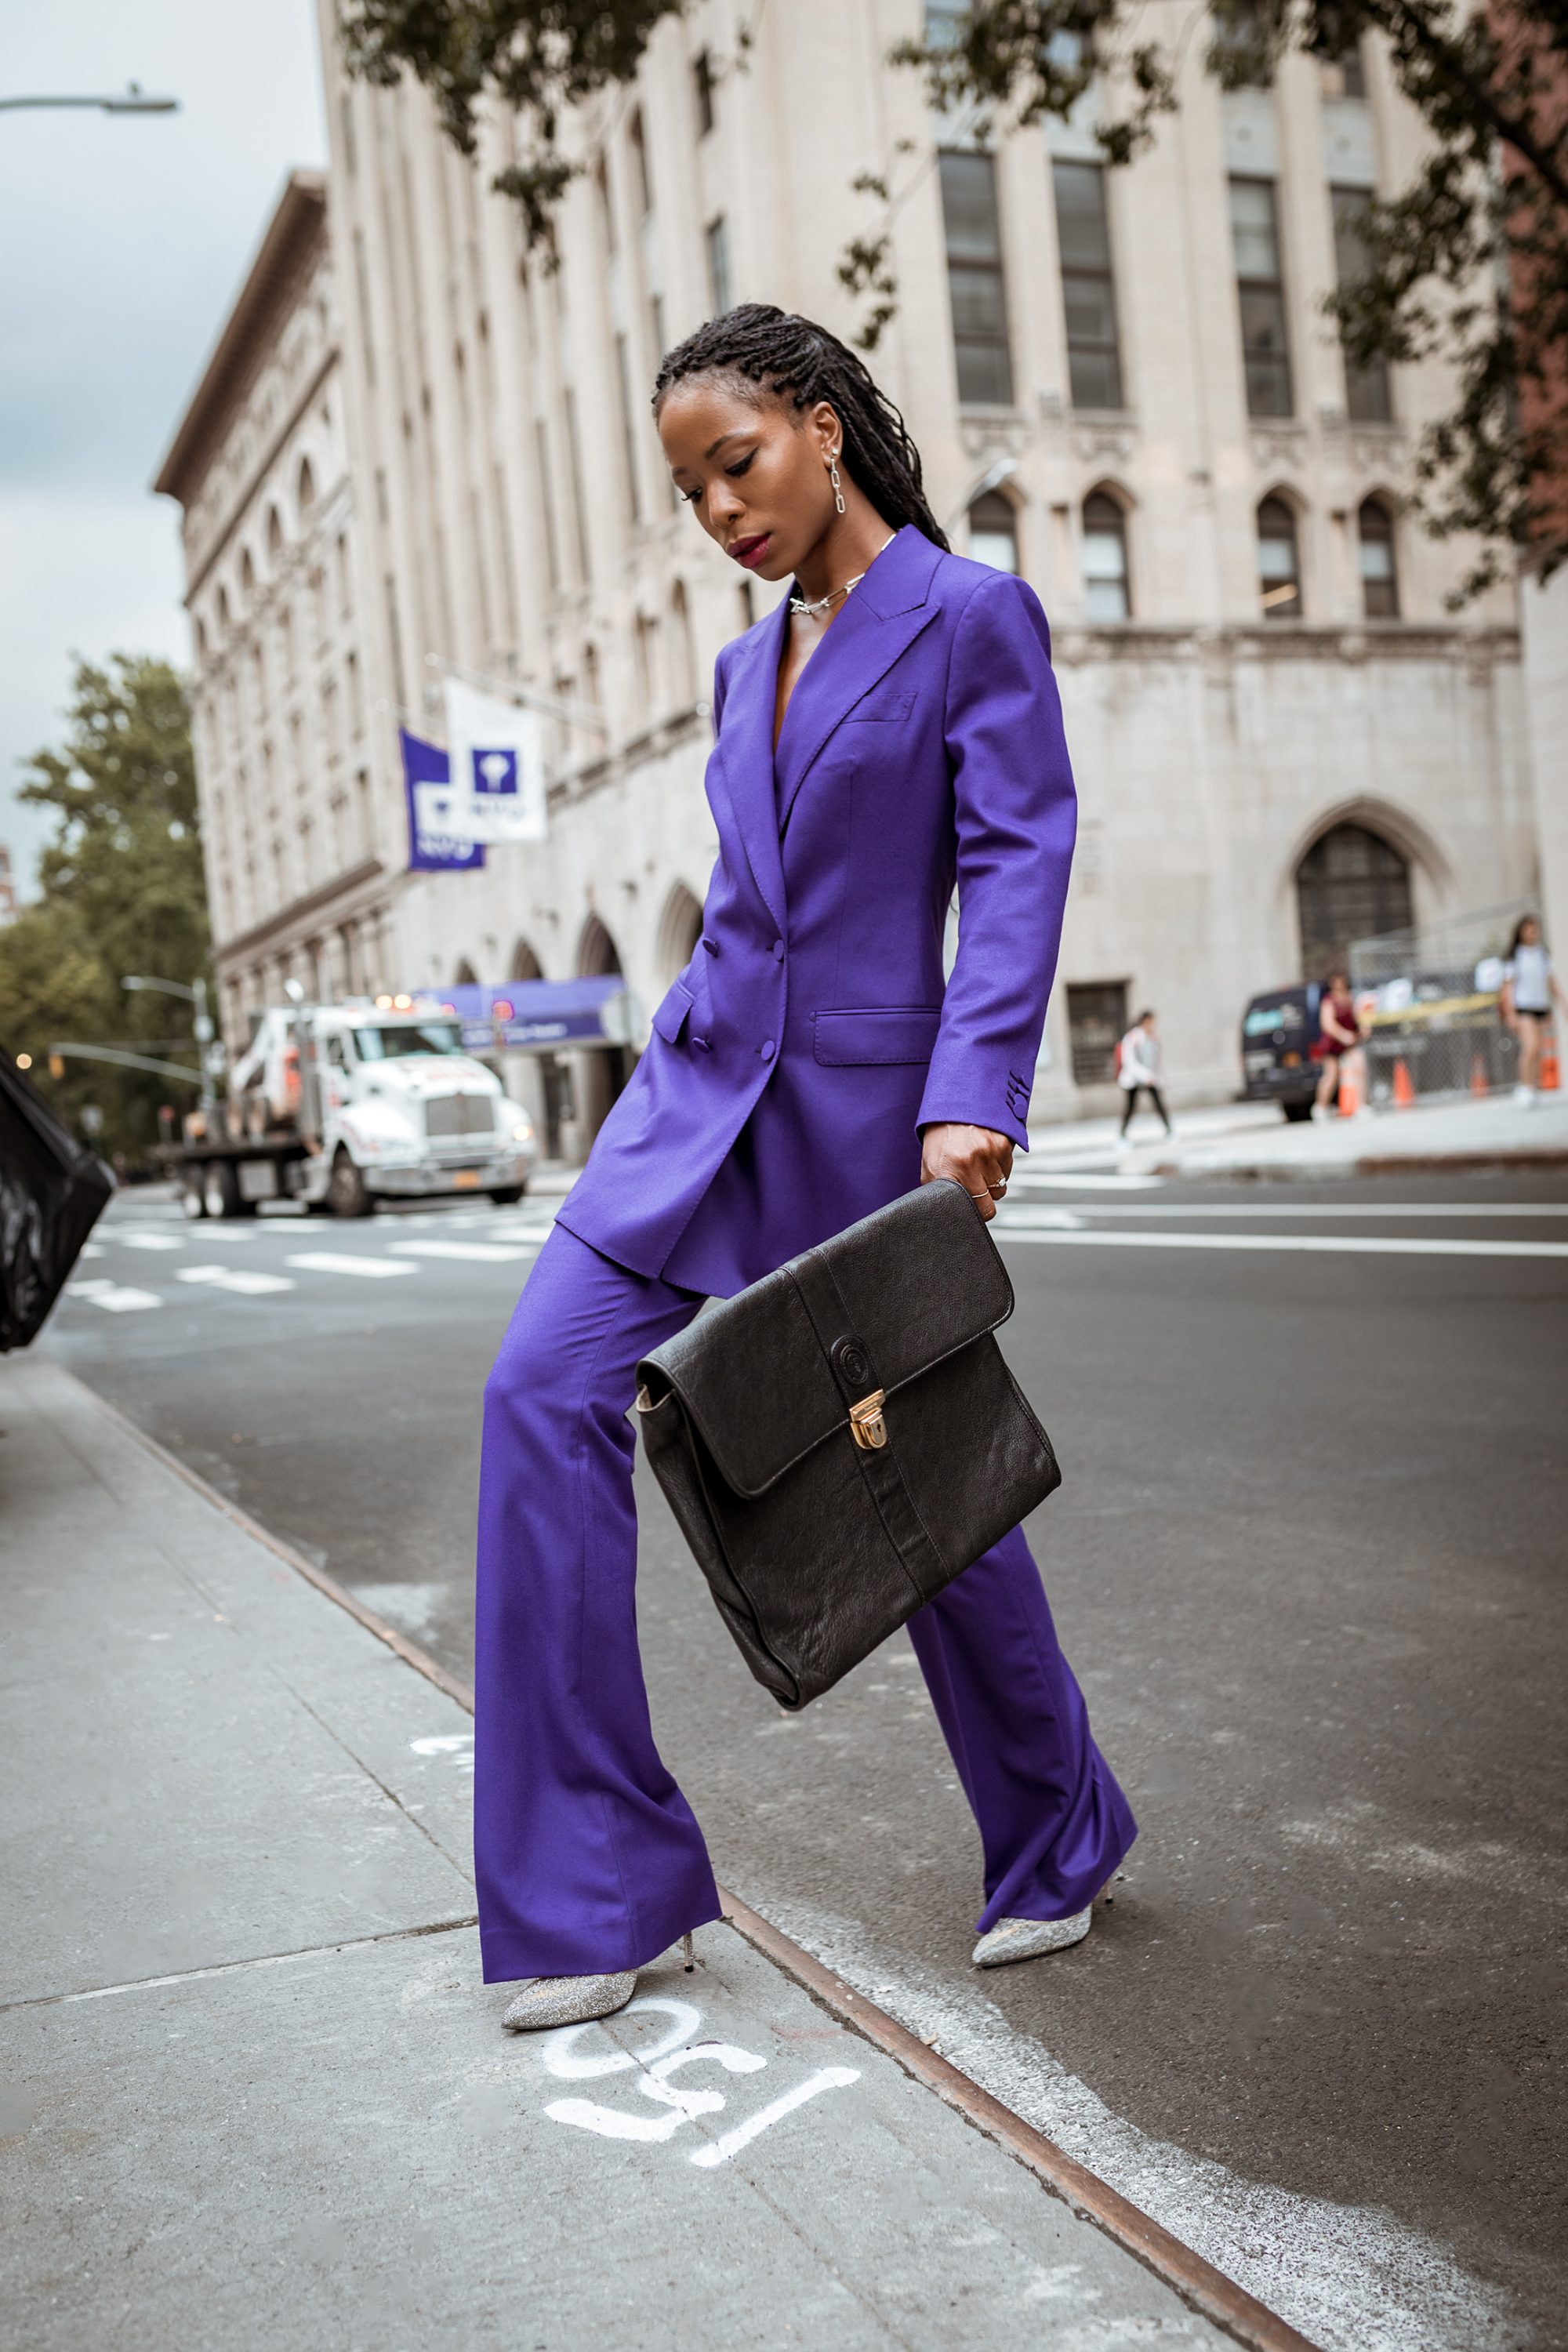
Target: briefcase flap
(765,1376)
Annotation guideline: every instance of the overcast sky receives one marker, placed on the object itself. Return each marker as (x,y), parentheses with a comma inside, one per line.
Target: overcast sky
(125,239)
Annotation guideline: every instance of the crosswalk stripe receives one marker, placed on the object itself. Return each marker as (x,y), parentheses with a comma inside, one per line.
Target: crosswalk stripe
(150,1241)
(240,1278)
(338,1262)
(482,1252)
(116,1297)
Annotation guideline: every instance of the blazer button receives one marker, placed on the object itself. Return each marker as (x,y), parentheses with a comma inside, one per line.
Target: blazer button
(711,945)
(702,1045)
(766,1050)
(778,951)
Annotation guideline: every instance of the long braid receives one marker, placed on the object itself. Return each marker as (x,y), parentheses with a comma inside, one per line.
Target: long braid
(803,363)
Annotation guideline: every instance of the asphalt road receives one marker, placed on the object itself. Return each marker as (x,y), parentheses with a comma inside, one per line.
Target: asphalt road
(1308,1559)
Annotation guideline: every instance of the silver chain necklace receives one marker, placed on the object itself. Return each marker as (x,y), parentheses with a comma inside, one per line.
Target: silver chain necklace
(806,605)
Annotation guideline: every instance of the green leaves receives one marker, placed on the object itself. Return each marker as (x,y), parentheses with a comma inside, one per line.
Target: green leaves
(122,892)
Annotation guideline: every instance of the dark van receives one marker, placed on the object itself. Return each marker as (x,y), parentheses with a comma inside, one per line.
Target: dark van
(1278,1031)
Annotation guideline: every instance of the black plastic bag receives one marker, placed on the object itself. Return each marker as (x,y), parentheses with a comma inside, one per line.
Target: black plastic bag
(52,1192)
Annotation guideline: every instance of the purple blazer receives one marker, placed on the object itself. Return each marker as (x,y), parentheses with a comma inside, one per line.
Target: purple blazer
(810,1038)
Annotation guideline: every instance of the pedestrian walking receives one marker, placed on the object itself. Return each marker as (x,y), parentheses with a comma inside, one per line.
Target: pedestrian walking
(1338,1051)
(1530,989)
(1141,1069)
(892,728)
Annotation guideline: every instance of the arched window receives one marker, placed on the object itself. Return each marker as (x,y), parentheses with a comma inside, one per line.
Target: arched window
(246,573)
(305,495)
(1278,564)
(993,533)
(465,976)
(274,534)
(525,964)
(1351,885)
(596,950)
(222,614)
(1107,590)
(679,927)
(1379,575)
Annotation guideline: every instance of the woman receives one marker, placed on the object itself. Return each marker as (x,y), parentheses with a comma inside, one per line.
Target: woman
(1339,1042)
(1141,1070)
(890,727)
(1528,989)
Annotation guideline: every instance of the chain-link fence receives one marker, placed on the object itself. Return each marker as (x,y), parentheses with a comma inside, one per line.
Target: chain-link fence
(1428,1000)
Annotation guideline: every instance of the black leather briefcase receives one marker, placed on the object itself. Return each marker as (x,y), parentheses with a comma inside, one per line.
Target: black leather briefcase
(843,1439)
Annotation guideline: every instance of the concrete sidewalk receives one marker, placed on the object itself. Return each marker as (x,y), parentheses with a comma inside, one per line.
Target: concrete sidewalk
(1251,1140)
(253,2094)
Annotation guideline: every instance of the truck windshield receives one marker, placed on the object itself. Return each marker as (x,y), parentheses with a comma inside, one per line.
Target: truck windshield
(408,1038)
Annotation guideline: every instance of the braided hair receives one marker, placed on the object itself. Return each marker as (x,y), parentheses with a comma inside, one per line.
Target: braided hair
(758,345)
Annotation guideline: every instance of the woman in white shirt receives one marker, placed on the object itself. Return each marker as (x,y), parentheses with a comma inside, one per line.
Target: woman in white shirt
(1140,1069)
(1529,991)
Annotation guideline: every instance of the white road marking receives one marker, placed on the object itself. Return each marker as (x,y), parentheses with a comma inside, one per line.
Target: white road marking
(338,1262)
(224,1278)
(1028,1180)
(828,2078)
(1455,1210)
(1361,1244)
(152,1241)
(116,1299)
(90,1249)
(482,1252)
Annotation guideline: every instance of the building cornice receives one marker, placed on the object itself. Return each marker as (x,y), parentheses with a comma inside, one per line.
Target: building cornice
(288,242)
(356,880)
(1077,643)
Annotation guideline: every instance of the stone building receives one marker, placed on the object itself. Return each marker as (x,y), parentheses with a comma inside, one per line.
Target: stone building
(1123,386)
(303,856)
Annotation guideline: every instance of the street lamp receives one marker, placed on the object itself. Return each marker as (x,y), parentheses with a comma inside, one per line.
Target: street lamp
(197,994)
(131,99)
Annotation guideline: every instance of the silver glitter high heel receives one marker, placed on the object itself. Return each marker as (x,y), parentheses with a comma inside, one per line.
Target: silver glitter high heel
(568,2000)
(577,2000)
(1027,1940)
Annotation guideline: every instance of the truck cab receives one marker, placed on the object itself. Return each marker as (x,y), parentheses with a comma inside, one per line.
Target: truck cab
(341,1106)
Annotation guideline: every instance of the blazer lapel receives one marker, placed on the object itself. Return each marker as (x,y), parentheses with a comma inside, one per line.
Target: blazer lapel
(882,620)
(746,755)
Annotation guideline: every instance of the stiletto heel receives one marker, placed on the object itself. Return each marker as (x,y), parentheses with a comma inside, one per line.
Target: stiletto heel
(688,1957)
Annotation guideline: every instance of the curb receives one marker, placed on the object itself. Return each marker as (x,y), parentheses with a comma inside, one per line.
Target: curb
(1203,2289)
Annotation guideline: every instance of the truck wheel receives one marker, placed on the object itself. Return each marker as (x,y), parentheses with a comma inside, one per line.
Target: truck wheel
(1296,1111)
(194,1198)
(506,1195)
(346,1193)
(222,1189)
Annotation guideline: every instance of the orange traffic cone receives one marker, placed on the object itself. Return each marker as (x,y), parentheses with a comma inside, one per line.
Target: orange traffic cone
(1479,1075)
(1350,1098)
(1403,1092)
(1551,1077)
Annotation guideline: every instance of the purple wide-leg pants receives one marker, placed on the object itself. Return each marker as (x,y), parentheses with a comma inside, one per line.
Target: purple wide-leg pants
(588,1856)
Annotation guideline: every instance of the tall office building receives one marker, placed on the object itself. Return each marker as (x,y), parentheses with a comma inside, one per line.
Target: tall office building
(1124,386)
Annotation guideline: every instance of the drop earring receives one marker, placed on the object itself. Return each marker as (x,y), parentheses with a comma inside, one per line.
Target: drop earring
(837,485)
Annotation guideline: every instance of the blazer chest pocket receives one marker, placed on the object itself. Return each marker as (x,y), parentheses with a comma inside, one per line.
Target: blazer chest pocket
(670,1013)
(883,709)
(903,1033)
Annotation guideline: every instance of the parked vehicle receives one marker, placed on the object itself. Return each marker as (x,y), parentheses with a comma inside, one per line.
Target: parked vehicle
(1278,1031)
(343,1105)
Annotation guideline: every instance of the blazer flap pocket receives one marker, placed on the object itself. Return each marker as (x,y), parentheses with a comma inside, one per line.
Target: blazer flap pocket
(905,1033)
(671,1012)
(885,707)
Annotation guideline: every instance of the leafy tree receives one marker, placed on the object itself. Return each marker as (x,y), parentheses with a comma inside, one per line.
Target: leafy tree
(1492,196)
(122,891)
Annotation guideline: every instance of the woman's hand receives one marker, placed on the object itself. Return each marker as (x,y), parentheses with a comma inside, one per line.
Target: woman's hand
(975,1157)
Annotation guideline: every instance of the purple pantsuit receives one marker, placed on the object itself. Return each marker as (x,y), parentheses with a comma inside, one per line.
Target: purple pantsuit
(791,1069)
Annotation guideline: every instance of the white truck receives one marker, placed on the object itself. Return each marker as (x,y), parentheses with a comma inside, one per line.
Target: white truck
(340,1105)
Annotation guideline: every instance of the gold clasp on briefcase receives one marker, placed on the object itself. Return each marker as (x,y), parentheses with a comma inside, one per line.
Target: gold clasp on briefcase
(867,1426)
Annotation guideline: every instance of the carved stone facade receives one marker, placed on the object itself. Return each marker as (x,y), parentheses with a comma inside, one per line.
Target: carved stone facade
(302,860)
(514,516)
